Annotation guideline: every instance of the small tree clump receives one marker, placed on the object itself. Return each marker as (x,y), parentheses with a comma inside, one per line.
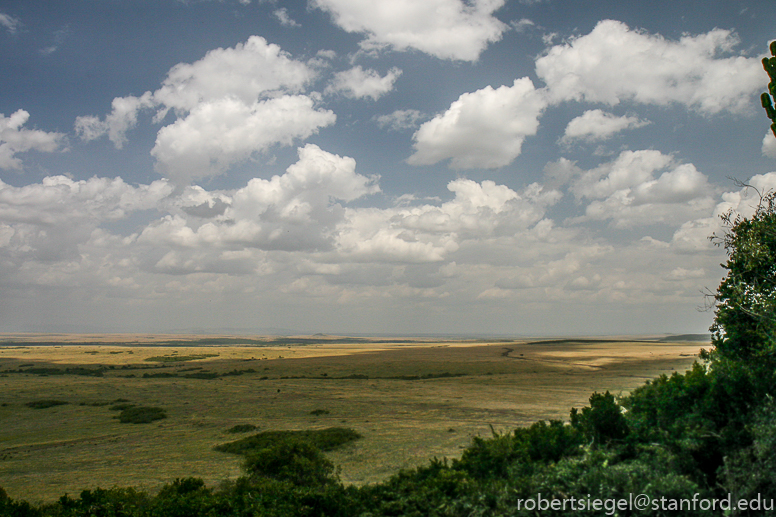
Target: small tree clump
(141,415)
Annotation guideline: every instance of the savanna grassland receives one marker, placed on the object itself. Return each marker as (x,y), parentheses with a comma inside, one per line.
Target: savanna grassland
(410,400)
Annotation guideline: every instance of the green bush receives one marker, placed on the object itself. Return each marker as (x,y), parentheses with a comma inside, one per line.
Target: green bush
(602,422)
(295,461)
(141,415)
(241,428)
(45,403)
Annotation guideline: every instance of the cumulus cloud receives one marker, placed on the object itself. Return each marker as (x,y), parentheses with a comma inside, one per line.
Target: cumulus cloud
(595,125)
(122,118)
(296,211)
(15,139)
(248,71)
(399,120)
(430,232)
(358,83)
(693,235)
(447,29)
(229,105)
(483,129)
(48,221)
(298,236)
(217,134)
(615,63)
(629,191)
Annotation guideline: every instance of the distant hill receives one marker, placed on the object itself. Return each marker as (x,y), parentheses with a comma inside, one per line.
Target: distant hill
(687,337)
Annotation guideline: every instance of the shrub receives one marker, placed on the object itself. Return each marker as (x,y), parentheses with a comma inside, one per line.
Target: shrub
(291,460)
(141,415)
(241,428)
(603,421)
(45,403)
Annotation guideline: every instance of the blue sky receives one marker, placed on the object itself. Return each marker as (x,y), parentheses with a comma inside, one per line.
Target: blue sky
(518,167)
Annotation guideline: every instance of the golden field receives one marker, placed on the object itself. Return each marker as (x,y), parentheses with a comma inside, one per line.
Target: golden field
(411,399)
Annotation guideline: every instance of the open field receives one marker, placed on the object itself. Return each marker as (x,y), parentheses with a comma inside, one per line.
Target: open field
(410,399)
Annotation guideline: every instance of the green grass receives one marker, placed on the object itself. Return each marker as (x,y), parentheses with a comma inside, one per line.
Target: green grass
(121,406)
(324,439)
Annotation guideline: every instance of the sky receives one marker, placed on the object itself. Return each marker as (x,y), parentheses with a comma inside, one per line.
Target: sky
(383,167)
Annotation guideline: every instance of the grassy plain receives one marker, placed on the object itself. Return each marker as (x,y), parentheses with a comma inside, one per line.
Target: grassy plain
(410,399)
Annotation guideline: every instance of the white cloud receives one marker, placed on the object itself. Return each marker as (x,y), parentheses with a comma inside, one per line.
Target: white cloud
(522,25)
(769,145)
(122,118)
(284,19)
(693,235)
(295,211)
(59,38)
(15,139)
(483,129)
(629,192)
(48,221)
(399,120)
(447,29)
(430,233)
(220,133)
(488,248)
(230,105)
(358,83)
(630,169)
(248,71)
(614,63)
(681,273)
(595,125)
(10,23)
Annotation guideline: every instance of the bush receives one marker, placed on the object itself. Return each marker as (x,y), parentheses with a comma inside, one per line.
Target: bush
(602,422)
(141,415)
(295,461)
(241,428)
(45,403)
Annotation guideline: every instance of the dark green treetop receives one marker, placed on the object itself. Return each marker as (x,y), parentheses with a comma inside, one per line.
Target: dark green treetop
(770,66)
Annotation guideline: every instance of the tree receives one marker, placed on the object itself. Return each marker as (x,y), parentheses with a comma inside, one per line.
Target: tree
(602,422)
(744,326)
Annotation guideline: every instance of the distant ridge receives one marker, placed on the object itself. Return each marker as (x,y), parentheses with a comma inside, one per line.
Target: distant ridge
(687,337)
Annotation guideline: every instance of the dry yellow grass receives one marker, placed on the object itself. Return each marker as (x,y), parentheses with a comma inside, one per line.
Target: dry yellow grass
(47,452)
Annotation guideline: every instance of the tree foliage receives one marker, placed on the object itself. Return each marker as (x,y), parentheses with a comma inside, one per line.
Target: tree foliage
(744,327)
